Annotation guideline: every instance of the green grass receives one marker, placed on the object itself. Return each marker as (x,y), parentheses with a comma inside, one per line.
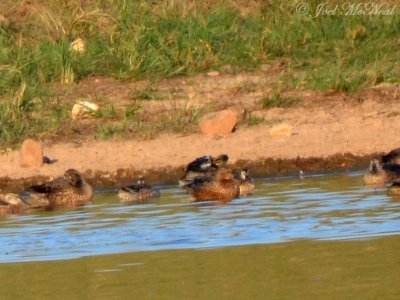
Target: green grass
(277,100)
(130,40)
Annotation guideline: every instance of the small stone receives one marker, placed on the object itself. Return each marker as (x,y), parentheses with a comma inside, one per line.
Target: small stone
(213,73)
(78,46)
(31,154)
(83,109)
(281,130)
(219,123)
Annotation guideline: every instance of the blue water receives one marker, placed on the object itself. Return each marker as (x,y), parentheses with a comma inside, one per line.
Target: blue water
(319,207)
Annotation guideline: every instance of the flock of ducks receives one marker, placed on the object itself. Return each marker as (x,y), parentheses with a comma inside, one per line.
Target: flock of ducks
(205,178)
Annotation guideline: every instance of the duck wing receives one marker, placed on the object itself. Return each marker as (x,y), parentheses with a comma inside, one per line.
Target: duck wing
(130,188)
(392,156)
(200,164)
(53,186)
(393,172)
(198,182)
(134,188)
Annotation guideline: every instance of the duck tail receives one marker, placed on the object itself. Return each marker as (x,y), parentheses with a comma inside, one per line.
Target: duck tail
(184,183)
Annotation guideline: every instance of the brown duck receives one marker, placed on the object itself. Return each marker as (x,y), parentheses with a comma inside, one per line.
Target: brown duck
(68,190)
(380,173)
(139,192)
(220,186)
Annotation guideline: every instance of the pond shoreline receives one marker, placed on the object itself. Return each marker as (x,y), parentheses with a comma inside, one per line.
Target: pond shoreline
(268,167)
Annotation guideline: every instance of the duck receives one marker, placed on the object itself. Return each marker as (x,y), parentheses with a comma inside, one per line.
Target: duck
(221,186)
(12,204)
(139,192)
(379,173)
(71,189)
(203,166)
(393,157)
(246,182)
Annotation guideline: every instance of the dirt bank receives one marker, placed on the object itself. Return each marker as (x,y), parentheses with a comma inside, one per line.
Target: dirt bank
(322,132)
(329,130)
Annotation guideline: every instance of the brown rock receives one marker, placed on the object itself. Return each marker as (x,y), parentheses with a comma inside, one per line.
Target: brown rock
(281,130)
(31,155)
(219,123)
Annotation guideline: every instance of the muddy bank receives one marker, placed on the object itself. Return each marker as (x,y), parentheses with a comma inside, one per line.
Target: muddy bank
(263,168)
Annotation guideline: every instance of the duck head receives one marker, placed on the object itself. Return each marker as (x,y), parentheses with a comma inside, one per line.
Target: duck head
(375,166)
(141,180)
(221,160)
(73,177)
(244,174)
(241,174)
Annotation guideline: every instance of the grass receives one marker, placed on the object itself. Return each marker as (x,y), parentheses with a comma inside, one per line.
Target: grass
(130,40)
(254,120)
(135,121)
(277,100)
(149,92)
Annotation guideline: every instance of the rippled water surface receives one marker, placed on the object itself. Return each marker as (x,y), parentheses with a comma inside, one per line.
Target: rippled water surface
(323,237)
(319,207)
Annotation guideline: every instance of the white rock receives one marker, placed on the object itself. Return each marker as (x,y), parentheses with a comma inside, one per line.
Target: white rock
(83,109)
(78,45)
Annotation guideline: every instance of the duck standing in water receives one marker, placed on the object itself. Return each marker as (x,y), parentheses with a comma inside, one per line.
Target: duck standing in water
(379,174)
(221,186)
(11,204)
(68,190)
(203,166)
(246,182)
(139,192)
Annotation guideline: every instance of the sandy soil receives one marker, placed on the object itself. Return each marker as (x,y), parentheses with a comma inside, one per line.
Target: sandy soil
(324,124)
(319,130)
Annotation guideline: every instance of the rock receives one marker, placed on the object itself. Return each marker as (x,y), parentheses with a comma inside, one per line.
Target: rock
(83,109)
(213,73)
(78,46)
(281,130)
(31,154)
(219,123)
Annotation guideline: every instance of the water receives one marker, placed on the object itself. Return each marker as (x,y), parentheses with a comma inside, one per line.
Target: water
(328,224)
(330,207)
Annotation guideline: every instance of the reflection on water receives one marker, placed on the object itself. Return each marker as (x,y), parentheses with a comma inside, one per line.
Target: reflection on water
(328,207)
(366,269)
